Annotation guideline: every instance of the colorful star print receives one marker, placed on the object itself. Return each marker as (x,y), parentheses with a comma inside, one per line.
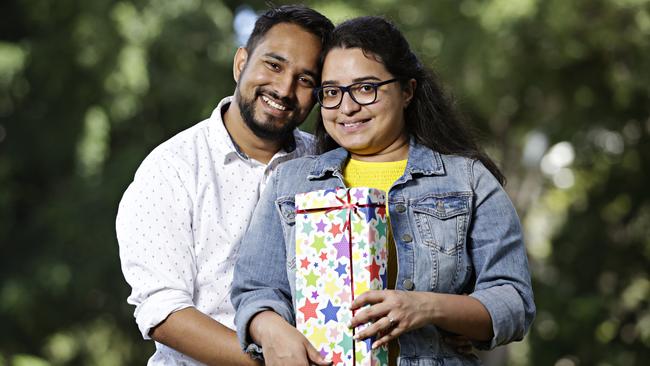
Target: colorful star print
(320,226)
(330,312)
(326,259)
(335,230)
(309,310)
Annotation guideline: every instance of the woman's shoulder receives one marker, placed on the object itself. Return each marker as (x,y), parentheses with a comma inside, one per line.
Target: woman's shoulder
(296,165)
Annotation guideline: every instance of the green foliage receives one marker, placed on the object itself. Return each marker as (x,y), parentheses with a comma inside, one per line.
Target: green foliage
(558,91)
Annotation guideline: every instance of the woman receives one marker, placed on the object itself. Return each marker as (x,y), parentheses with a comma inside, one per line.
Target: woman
(455,230)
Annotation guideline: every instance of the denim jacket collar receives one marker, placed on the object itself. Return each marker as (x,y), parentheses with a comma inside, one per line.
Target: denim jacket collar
(421,160)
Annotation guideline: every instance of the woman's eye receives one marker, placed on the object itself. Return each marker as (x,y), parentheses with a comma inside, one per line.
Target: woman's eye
(330,92)
(366,88)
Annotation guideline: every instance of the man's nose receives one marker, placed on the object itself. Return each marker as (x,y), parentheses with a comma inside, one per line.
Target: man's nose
(285,86)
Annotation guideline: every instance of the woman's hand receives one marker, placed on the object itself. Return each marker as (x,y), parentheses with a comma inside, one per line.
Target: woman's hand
(392,312)
(282,344)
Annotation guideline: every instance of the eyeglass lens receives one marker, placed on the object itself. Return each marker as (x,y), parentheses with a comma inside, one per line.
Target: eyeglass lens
(331,96)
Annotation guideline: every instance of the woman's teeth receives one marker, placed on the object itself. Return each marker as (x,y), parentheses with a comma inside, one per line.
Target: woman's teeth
(352,124)
(273,104)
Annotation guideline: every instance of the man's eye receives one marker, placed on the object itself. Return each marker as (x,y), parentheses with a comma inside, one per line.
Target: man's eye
(273,66)
(306,81)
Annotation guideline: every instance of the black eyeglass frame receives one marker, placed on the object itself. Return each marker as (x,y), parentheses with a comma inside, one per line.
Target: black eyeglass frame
(347,89)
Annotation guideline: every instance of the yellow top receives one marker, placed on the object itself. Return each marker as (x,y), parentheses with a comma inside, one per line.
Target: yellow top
(380,175)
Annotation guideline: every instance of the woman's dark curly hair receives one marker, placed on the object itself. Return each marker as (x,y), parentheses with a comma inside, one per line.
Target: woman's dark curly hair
(430,116)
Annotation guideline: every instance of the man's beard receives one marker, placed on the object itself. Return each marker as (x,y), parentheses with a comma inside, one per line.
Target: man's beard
(267,130)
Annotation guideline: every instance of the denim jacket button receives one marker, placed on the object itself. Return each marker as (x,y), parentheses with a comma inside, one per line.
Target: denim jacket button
(400,208)
(407,238)
(408,284)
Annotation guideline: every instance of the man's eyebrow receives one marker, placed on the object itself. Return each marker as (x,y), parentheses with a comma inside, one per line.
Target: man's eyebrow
(276,56)
(282,59)
(355,80)
(310,73)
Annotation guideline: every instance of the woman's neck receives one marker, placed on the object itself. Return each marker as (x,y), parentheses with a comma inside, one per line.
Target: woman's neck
(398,150)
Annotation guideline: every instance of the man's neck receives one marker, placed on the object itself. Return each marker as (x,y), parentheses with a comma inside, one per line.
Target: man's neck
(251,145)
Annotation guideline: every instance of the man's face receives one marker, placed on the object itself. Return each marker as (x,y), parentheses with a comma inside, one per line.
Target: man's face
(275,81)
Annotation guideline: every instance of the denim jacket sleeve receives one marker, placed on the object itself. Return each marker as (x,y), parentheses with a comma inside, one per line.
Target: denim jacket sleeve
(498,254)
(260,279)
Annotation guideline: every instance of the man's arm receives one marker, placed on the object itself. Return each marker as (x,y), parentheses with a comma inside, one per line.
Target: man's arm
(195,334)
(154,231)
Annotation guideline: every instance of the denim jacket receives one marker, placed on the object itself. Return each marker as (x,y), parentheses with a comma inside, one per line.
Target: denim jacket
(455,230)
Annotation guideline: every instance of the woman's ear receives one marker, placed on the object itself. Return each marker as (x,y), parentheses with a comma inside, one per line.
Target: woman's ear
(239,63)
(409,91)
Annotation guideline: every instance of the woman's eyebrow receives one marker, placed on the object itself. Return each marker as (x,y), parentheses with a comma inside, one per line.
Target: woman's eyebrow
(355,80)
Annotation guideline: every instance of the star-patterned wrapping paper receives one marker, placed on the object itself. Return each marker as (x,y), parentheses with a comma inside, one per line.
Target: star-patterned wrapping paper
(331,269)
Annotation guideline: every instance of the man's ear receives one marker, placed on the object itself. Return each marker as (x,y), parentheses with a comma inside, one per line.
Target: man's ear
(409,91)
(239,63)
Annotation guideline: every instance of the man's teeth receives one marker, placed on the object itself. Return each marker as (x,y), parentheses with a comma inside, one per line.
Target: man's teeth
(273,104)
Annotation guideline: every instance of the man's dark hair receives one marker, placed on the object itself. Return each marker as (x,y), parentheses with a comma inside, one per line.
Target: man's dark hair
(430,116)
(300,15)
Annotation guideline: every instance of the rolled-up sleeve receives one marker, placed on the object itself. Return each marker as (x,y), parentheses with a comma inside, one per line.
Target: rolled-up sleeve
(499,258)
(154,233)
(260,280)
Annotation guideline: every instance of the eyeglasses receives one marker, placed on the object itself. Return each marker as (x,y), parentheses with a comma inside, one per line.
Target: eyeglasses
(363,93)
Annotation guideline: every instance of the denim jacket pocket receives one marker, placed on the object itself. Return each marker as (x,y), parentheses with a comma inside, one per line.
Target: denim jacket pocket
(287,210)
(442,220)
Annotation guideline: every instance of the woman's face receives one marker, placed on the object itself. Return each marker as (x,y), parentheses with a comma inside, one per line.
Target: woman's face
(373,132)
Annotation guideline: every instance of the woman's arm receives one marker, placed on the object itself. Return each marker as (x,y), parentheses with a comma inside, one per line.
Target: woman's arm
(395,312)
(501,308)
(498,255)
(261,292)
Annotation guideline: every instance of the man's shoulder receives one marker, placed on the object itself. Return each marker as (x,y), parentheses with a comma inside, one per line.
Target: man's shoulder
(193,141)
(184,144)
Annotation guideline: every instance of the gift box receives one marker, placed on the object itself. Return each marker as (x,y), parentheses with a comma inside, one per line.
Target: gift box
(341,252)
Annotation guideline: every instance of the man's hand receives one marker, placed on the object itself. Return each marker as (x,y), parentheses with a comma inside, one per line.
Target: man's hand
(283,344)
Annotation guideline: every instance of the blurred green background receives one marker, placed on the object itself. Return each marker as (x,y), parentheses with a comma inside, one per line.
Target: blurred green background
(558,90)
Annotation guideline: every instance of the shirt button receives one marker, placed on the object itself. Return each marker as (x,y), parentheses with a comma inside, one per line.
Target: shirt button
(407,238)
(408,284)
(400,208)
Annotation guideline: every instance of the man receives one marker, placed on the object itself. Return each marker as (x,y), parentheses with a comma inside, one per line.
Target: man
(180,221)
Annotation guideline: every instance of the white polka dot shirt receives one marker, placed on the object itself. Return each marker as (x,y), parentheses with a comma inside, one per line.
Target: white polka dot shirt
(180,223)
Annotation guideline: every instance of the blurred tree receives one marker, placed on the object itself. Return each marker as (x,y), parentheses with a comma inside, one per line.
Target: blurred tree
(558,91)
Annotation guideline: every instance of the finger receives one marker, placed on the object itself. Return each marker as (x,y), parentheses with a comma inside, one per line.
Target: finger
(314,356)
(369,314)
(368,297)
(371,330)
(386,338)
(382,326)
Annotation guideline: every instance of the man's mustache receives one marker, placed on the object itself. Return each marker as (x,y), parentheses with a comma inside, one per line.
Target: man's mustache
(286,101)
